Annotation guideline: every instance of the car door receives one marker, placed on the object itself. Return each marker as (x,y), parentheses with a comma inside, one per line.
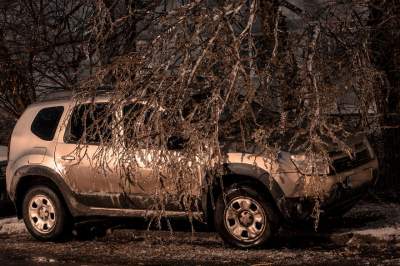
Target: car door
(147,188)
(85,155)
(136,158)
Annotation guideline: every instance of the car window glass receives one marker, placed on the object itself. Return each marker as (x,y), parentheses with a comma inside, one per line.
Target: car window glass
(91,124)
(135,109)
(46,122)
(136,117)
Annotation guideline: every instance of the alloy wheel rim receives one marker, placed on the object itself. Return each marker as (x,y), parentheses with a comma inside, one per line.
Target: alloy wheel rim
(42,214)
(245,219)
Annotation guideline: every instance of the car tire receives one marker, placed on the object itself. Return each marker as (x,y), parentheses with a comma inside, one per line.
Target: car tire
(45,215)
(244,218)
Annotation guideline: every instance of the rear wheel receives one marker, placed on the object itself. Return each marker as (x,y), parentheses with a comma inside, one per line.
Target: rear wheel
(244,219)
(44,214)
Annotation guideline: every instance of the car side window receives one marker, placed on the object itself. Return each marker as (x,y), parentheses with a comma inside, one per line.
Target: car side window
(135,116)
(91,124)
(46,122)
(135,109)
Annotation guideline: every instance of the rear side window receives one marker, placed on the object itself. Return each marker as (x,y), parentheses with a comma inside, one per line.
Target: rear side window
(46,122)
(91,124)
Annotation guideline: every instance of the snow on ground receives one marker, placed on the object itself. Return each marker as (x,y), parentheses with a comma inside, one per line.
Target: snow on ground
(377,220)
(366,236)
(384,234)
(10,226)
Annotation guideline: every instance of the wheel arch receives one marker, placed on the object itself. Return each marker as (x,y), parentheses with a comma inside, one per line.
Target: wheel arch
(240,174)
(29,177)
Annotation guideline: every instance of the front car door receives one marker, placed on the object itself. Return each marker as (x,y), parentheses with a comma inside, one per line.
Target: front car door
(154,181)
(85,156)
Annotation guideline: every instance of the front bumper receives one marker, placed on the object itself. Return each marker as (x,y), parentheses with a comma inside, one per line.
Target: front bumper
(336,195)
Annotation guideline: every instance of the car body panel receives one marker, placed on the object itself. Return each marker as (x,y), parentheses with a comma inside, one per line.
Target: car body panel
(6,205)
(90,191)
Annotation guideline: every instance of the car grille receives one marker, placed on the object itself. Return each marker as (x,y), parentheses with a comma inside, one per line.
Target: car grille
(346,163)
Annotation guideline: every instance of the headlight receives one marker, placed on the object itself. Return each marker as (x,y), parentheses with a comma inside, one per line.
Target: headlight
(310,166)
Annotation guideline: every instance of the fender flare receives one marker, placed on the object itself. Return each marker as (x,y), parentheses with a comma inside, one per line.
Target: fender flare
(248,172)
(30,172)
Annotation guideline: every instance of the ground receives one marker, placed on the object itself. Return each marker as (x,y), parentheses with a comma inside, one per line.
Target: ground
(368,235)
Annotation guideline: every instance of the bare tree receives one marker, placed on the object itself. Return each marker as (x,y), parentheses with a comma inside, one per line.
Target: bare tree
(214,82)
(42,49)
(209,78)
(384,22)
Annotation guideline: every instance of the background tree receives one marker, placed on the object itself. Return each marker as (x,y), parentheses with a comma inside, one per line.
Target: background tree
(230,76)
(385,38)
(42,49)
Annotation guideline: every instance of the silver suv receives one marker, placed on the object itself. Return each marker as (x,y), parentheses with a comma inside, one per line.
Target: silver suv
(256,197)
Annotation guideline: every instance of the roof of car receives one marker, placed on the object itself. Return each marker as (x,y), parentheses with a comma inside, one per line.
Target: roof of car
(65,97)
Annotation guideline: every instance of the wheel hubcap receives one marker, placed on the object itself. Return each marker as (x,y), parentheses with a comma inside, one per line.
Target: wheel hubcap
(245,219)
(42,214)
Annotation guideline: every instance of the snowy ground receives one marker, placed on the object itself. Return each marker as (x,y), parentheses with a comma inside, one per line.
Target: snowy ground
(368,235)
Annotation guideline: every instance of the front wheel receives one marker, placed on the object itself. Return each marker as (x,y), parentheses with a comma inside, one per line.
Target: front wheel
(244,218)
(44,214)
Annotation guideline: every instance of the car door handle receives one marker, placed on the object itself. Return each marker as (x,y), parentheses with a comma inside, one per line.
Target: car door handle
(68,157)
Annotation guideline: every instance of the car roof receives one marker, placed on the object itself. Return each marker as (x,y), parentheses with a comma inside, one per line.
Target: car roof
(44,103)
(64,97)
(69,98)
